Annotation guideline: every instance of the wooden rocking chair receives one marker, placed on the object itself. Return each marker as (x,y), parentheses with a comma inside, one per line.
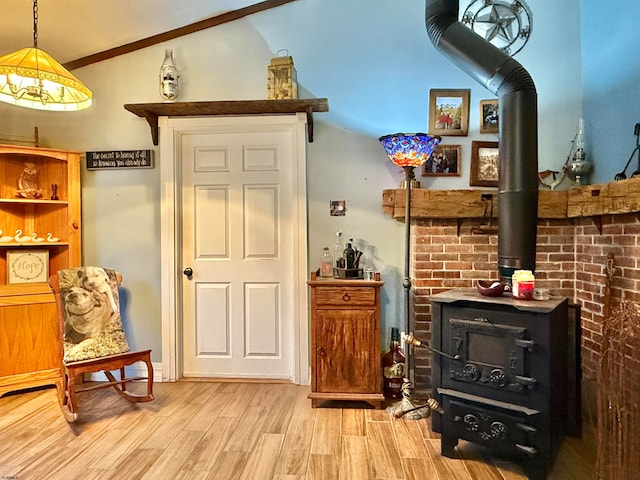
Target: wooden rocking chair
(93,337)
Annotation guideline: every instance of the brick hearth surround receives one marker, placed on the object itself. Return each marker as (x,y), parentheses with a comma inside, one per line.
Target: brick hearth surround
(571,260)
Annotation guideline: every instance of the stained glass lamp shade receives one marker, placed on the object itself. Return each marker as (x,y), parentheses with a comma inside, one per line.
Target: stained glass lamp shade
(409,149)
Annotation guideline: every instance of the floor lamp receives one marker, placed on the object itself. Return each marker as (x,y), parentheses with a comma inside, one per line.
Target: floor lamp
(409,150)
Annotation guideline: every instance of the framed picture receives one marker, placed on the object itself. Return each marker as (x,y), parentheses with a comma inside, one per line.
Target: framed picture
(489,116)
(27,266)
(484,164)
(449,112)
(444,161)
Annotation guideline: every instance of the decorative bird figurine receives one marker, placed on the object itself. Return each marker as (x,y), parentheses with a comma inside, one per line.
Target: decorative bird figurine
(5,238)
(51,238)
(20,238)
(35,238)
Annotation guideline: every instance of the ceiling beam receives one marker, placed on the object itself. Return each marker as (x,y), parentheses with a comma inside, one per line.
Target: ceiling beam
(178,32)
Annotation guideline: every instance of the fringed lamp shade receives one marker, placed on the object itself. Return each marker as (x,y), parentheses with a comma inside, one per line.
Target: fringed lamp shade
(31,78)
(409,149)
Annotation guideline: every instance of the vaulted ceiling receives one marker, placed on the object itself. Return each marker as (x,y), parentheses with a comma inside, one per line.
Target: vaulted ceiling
(73,29)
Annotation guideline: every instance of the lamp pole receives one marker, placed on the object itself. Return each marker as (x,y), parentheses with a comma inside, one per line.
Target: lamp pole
(406,284)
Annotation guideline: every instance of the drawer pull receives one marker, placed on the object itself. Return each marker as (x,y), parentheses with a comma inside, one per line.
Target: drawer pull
(346,297)
(528,381)
(322,352)
(528,450)
(530,345)
(527,428)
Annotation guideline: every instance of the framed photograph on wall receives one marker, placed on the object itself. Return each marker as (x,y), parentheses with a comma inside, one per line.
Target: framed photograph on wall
(27,266)
(444,161)
(449,112)
(484,164)
(489,116)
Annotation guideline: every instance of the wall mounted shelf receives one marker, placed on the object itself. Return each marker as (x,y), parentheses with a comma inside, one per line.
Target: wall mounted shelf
(151,111)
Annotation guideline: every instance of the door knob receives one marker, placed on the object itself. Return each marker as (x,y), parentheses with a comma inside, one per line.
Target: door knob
(188,272)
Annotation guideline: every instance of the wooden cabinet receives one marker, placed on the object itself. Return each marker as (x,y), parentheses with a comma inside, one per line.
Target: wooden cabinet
(345,340)
(40,235)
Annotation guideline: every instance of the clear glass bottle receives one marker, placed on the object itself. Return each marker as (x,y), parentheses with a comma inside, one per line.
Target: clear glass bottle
(169,87)
(393,367)
(326,263)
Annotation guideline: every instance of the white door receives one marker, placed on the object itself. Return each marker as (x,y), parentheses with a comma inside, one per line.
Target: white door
(240,236)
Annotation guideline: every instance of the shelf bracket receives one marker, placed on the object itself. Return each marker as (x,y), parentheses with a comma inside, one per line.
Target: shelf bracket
(310,124)
(598,222)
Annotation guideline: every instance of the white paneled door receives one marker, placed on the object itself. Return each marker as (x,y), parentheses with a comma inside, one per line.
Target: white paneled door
(239,242)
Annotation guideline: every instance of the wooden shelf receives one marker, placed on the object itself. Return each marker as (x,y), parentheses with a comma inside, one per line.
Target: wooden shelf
(151,111)
(591,200)
(32,244)
(35,201)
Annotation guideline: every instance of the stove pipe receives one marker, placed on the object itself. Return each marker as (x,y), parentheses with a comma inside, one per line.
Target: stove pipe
(518,126)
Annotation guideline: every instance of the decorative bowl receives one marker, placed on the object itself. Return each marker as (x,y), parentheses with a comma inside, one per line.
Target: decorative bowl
(492,288)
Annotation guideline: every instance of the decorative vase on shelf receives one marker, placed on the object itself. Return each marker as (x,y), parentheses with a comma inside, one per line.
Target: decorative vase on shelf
(169,87)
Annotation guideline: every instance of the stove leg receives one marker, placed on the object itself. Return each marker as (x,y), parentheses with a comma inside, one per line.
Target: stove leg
(535,471)
(447,446)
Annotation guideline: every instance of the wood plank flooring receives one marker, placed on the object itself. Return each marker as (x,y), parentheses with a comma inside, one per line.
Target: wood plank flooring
(207,430)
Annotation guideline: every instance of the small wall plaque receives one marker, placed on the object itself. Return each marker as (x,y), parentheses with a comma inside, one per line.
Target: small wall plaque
(27,266)
(119,159)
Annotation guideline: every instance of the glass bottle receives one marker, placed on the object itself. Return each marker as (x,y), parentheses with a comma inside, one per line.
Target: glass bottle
(326,263)
(169,77)
(393,366)
(349,255)
(337,250)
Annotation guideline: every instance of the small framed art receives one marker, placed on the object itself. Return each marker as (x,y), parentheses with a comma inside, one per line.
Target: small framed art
(489,116)
(449,112)
(444,161)
(484,164)
(27,266)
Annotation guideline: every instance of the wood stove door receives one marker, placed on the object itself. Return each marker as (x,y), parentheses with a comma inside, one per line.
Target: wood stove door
(490,355)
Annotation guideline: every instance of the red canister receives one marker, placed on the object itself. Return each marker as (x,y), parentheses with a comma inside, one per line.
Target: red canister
(522,284)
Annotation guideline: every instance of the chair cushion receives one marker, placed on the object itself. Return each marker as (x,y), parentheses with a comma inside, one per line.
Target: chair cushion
(92,324)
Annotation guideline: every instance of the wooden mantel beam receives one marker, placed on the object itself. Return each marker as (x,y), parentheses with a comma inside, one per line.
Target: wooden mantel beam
(588,201)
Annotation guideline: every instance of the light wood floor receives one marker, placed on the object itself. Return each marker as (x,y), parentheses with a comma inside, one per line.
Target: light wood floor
(198,430)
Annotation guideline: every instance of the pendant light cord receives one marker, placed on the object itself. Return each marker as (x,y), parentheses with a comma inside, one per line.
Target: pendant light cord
(35,23)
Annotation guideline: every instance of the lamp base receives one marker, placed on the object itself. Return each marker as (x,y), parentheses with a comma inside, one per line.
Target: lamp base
(406,408)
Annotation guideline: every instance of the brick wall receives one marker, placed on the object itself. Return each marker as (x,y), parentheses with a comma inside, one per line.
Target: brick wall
(582,259)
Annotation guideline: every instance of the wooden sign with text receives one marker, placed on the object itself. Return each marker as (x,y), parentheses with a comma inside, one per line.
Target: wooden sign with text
(118,159)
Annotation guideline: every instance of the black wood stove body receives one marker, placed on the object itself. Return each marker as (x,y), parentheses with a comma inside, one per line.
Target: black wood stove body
(502,375)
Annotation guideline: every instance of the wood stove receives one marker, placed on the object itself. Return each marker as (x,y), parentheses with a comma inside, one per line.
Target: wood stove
(502,375)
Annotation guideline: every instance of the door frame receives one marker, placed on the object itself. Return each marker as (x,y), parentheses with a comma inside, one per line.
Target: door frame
(171,131)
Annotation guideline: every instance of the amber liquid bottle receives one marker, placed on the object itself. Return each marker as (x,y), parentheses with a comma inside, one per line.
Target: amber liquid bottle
(393,366)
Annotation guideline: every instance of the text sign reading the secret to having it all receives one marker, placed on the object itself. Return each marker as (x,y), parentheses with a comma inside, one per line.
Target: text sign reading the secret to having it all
(119,159)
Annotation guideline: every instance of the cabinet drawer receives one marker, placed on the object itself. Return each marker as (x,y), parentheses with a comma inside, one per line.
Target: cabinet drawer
(339,296)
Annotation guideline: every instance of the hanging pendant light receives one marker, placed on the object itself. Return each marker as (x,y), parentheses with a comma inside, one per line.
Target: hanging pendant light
(31,78)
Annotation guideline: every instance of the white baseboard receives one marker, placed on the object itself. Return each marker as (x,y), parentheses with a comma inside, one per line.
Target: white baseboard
(136,370)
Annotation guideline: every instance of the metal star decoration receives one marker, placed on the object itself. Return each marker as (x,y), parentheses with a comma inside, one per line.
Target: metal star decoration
(506,25)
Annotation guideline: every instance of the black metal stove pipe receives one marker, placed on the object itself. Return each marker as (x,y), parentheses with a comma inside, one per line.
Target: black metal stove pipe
(518,124)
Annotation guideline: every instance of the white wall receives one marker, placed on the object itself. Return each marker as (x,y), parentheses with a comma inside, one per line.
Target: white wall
(372,60)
